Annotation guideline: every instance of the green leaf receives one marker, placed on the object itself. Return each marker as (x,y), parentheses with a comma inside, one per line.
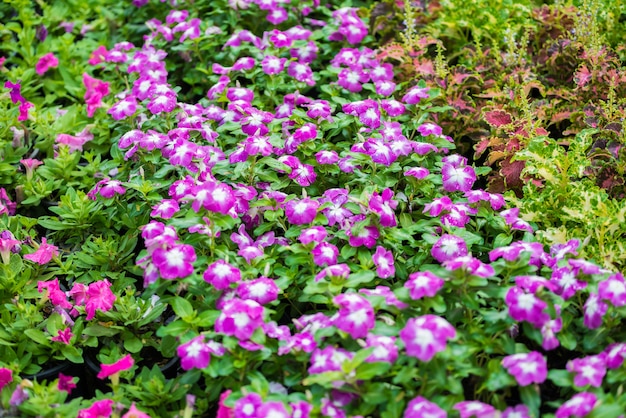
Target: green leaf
(531,398)
(182,307)
(561,378)
(360,277)
(367,371)
(326,379)
(131,343)
(98,330)
(38,336)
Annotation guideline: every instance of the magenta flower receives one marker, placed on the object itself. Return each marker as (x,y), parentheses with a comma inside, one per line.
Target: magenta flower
(383,260)
(477,409)
(23,108)
(448,247)
(519,411)
(429,128)
(421,408)
(133,412)
(328,359)
(262,290)
(248,406)
(44,253)
(614,355)
(124,108)
(385,292)
(121,365)
(426,335)
(355,316)
(66,383)
(56,296)
(314,234)
(63,336)
(239,318)
(325,253)
(613,289)
(301,211)
(337,270)
(75,142)
(45,63)
(594,311)
(301,72)
(415,94)
(457,178)
(365,236)
(166,209)
(99,409)
(220,274)
(525,306)
(589,370)
(109,188)
(6,377)
(471,265)
(579,405)
(527,368)
(385,348)
(95,91)
(99,296)
(175,261)
(15,94)
(384,206)
(194,354)
(548,333)
(423,283)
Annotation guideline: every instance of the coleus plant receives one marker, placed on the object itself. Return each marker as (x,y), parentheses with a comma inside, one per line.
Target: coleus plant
(323,249)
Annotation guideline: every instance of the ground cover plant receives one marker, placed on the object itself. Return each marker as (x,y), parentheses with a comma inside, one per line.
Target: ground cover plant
(243,208)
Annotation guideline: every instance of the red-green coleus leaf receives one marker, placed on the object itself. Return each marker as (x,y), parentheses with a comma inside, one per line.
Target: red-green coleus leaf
(498,118)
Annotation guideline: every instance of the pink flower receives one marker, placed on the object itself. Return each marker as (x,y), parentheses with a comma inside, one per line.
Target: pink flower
(194,354)
(272,65)
(124,108)
(301,211)
(224,411)
(525,306)
(301,72)
(385,348)
(240,318)
(15,94)
(613,289)
(426,335)
(176,261)
(55,294)
(385,292)
(579,405)
(548,333)
(63,336)
(125,363)
(213,196)
(313,234)
(589,370)
(471,265)
(221,274)
(384,206)
(23,108)
(337,270)
(75,142)
(365,236)
(527,368)
(99,296)
(328,359)
(428,128)
(30,164)
(614,355)
(468,409)
(95,91)
(248,406)
(325,253)
(66,383)
(594,311)
(166,209)
(355,316)
(383,260)
(272,409)
(421,408)
(448,247)
(519,411)
(6,377)
(423,283)
(415,94)
(457,178)
(45,63)
(262,290)
(109,188)
(133,412)
(99,409)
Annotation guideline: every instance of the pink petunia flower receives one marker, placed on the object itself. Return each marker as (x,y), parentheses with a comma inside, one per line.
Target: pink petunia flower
(526,368)
(99,296)
(328,359)
(56,296)
(240,318)
(124,108)
(423,283)
(44,253)
(66,383)
(476,409)
(125,363)
(579,405)
(457,178)
(325,253)
(262,290)
(589,370)
(383,260)
(524,306)
(133,412)
(45,63)
(75,142)
(448,247)
(337,270)
(385,348)
(384,205)
(415,94)
(355,316)
(613,289)
(248,406)
(6,377)
(614,355)
(99,409)
(420,407)
(301,211)
(221,274)
(63,336)
(95,91)
(594,310)
(175,261)
(426,335)
(194,354)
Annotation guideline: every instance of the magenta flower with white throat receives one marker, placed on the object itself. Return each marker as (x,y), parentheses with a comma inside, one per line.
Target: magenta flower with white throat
(426,336)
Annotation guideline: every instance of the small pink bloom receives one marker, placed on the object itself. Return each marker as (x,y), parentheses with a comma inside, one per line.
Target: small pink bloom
(325,253)
(384,206)
(527,368)
(166,209)
(457,178)
(6,377)
(248,406)
(95,91)
(448,247)
(328,359)
(415,94)
(63,336)
(44,253)
(383,259)
(476,409)
(133,412)
(519,411)
(194,354)
(525,306)
(240,318)
(426,335)
(385,348)
(45,63)
(99,409)
(423,283)
(613,289)
(262,290)
(614,355)
(221,274)
(594,310)
(55,294)
(100,297)
(66,383)
(589,370)
(578,406)
(355,316)
(121,365)
(175,261)
(300,212)
(224,411)
(421,408)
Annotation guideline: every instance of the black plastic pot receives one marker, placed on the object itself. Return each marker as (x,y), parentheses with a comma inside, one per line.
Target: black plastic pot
(68,368)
